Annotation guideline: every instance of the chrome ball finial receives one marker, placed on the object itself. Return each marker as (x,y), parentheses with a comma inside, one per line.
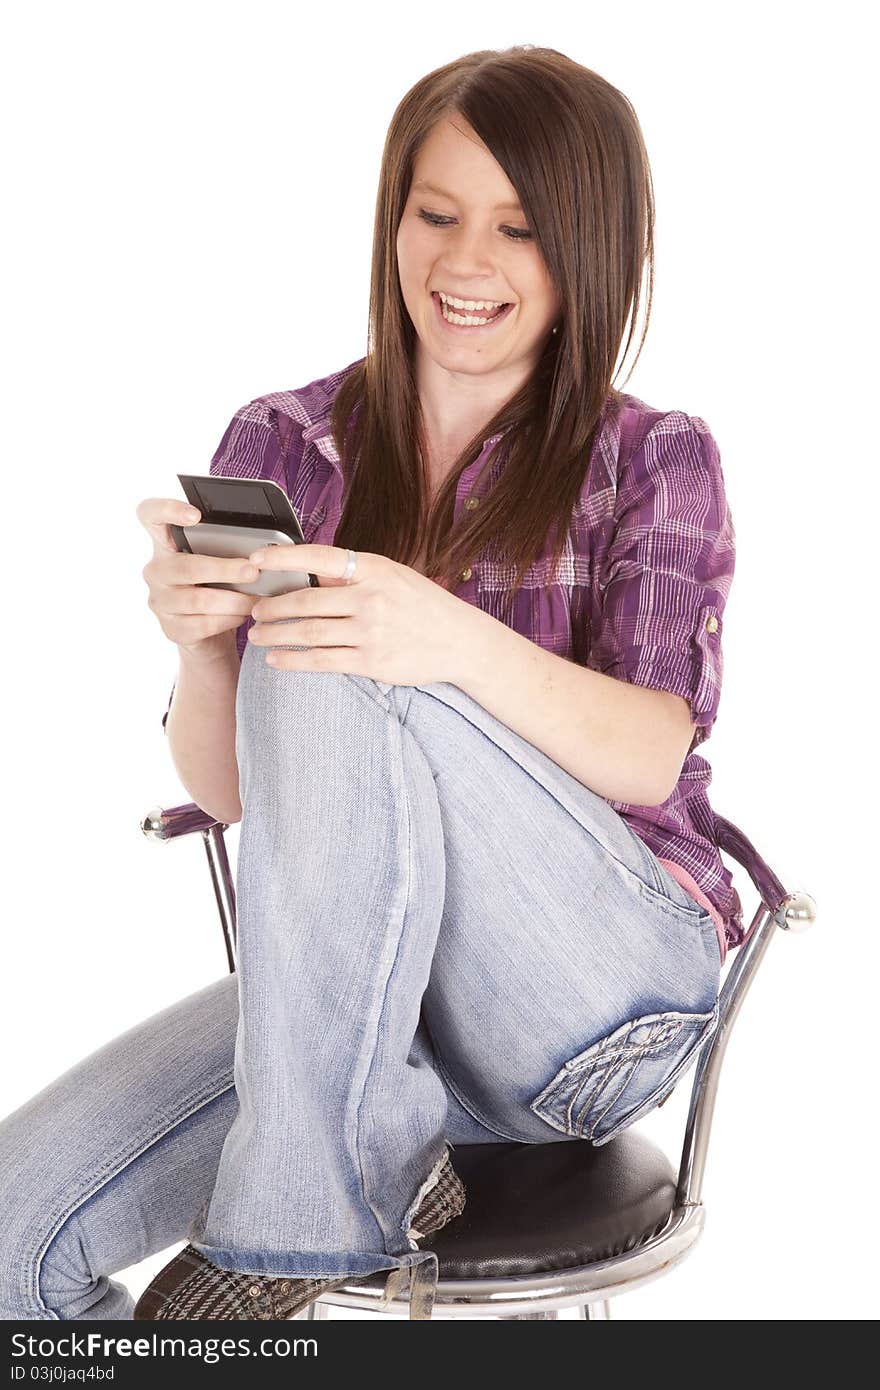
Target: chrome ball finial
(797,912)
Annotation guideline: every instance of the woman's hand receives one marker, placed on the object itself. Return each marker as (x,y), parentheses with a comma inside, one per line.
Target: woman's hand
(193,617)
(389,623)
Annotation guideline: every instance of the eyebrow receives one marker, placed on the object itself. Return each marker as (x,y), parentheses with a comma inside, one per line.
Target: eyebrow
(432,188)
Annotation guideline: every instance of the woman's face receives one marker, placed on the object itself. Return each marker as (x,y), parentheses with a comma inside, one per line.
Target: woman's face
(471,241)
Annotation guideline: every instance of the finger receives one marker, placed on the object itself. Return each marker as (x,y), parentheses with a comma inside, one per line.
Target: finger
(159,514)
(342,659)
(187,600)
(306,632)
(327,561)
(181,567)
(326,602)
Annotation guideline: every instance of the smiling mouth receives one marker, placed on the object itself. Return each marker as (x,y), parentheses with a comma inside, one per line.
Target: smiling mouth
(463,322)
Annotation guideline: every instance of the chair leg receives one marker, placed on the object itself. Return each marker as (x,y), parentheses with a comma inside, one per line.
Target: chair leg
(597,1310)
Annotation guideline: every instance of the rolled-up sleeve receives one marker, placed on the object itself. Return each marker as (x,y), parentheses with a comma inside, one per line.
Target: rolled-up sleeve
(252,446)
(668,570)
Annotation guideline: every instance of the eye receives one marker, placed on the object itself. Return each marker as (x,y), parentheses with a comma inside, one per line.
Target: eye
(434,219)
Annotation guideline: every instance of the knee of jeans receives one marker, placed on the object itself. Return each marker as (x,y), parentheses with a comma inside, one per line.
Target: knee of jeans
(38,1280)
(264,692)
(619,1077)
(64,1271)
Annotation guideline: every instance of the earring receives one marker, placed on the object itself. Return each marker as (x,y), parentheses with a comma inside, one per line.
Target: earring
(554,330)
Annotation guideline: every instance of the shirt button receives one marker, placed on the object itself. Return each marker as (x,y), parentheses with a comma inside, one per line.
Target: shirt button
(466,573)
(472,502)
(712,624)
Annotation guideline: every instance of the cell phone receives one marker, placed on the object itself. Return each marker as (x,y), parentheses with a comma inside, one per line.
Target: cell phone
(240,515)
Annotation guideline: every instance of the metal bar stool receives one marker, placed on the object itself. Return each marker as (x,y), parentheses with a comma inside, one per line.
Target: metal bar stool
(558,1225)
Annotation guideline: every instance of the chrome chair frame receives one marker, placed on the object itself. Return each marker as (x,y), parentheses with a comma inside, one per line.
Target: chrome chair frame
(591,1287)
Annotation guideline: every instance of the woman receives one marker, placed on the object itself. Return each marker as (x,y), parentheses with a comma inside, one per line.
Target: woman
(478,894)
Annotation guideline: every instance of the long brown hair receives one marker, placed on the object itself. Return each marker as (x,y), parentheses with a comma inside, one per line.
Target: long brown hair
(571,145)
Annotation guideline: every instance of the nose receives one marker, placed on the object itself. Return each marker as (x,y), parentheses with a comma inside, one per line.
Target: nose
(467,257)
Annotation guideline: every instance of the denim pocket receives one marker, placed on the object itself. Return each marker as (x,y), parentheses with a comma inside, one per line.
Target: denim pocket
(622,1076)
(677,897)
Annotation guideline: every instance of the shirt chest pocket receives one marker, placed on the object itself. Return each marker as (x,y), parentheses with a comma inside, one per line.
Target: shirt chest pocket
(542,611)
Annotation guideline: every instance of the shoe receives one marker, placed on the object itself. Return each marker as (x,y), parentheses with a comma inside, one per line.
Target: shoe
(191,1287)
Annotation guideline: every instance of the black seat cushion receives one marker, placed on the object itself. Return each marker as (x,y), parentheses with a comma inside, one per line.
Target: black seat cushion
(533,1208)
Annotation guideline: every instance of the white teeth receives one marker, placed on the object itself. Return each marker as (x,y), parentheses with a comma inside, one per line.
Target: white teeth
(470,303)
(465,320)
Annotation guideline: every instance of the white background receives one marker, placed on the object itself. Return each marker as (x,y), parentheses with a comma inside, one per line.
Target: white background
(193,193)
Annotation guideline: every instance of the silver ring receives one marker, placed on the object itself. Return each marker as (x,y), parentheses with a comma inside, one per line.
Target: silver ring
(349,567)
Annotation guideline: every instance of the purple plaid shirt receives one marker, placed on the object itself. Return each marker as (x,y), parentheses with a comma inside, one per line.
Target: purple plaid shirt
(639,593)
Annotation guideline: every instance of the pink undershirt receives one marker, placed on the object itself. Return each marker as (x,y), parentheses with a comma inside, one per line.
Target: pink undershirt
(683,877)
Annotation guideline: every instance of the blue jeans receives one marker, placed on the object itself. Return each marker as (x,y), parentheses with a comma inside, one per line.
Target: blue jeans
(444,938)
